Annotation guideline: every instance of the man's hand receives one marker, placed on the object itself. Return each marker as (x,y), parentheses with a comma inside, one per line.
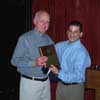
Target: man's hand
(41,61)
(54,69)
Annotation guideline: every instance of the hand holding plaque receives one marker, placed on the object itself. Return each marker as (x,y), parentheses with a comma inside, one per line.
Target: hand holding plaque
(50,52)
(40,61)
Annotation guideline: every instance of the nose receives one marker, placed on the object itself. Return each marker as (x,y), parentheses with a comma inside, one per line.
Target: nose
(72,33)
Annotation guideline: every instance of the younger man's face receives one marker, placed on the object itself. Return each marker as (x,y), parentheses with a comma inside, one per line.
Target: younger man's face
(74,33)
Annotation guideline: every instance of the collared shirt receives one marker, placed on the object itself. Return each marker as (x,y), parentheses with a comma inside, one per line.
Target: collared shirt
(26,52)
(74,59)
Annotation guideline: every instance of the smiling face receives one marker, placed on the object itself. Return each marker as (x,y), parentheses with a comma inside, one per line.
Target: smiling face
(74,33)
(41,21)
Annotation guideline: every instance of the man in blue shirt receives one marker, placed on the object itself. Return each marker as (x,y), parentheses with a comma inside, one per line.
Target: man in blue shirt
(74,59)
(34,84)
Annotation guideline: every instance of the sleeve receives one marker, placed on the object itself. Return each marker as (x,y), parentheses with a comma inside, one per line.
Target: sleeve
(20,57)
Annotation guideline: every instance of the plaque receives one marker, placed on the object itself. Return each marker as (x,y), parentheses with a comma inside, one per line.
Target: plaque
(50,52)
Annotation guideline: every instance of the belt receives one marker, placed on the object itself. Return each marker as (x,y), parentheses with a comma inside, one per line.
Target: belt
(68,83)
(37,79)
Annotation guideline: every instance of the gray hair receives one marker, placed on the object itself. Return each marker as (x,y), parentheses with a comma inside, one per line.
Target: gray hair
(39,13)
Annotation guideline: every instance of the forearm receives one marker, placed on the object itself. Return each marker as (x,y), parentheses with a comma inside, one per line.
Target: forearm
(22,62)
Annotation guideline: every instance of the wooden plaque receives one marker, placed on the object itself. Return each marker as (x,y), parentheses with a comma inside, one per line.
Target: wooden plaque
(50,52)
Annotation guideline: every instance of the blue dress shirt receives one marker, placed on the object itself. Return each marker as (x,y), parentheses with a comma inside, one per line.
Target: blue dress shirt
(27,51)
(74,59)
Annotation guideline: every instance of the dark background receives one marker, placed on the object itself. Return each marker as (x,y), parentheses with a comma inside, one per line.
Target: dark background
(15,20)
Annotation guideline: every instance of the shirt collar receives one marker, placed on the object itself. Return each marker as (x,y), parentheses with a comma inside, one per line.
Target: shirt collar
(73,43)
(39,33)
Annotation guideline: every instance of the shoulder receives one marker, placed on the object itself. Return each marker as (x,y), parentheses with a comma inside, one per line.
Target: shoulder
(26,35)
(81,50)
(47,36)
(61,43)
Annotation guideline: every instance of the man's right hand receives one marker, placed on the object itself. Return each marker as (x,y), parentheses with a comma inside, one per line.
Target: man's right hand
(41,61)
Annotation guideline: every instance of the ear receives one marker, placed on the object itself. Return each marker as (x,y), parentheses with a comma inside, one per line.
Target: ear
(81,34)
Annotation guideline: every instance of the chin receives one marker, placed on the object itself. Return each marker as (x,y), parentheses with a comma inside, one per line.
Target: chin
(43,31)
(73,40)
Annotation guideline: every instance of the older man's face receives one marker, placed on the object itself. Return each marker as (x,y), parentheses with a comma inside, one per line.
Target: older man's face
(42,23)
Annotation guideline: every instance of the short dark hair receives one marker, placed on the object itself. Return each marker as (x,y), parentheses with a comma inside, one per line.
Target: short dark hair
(76,23)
